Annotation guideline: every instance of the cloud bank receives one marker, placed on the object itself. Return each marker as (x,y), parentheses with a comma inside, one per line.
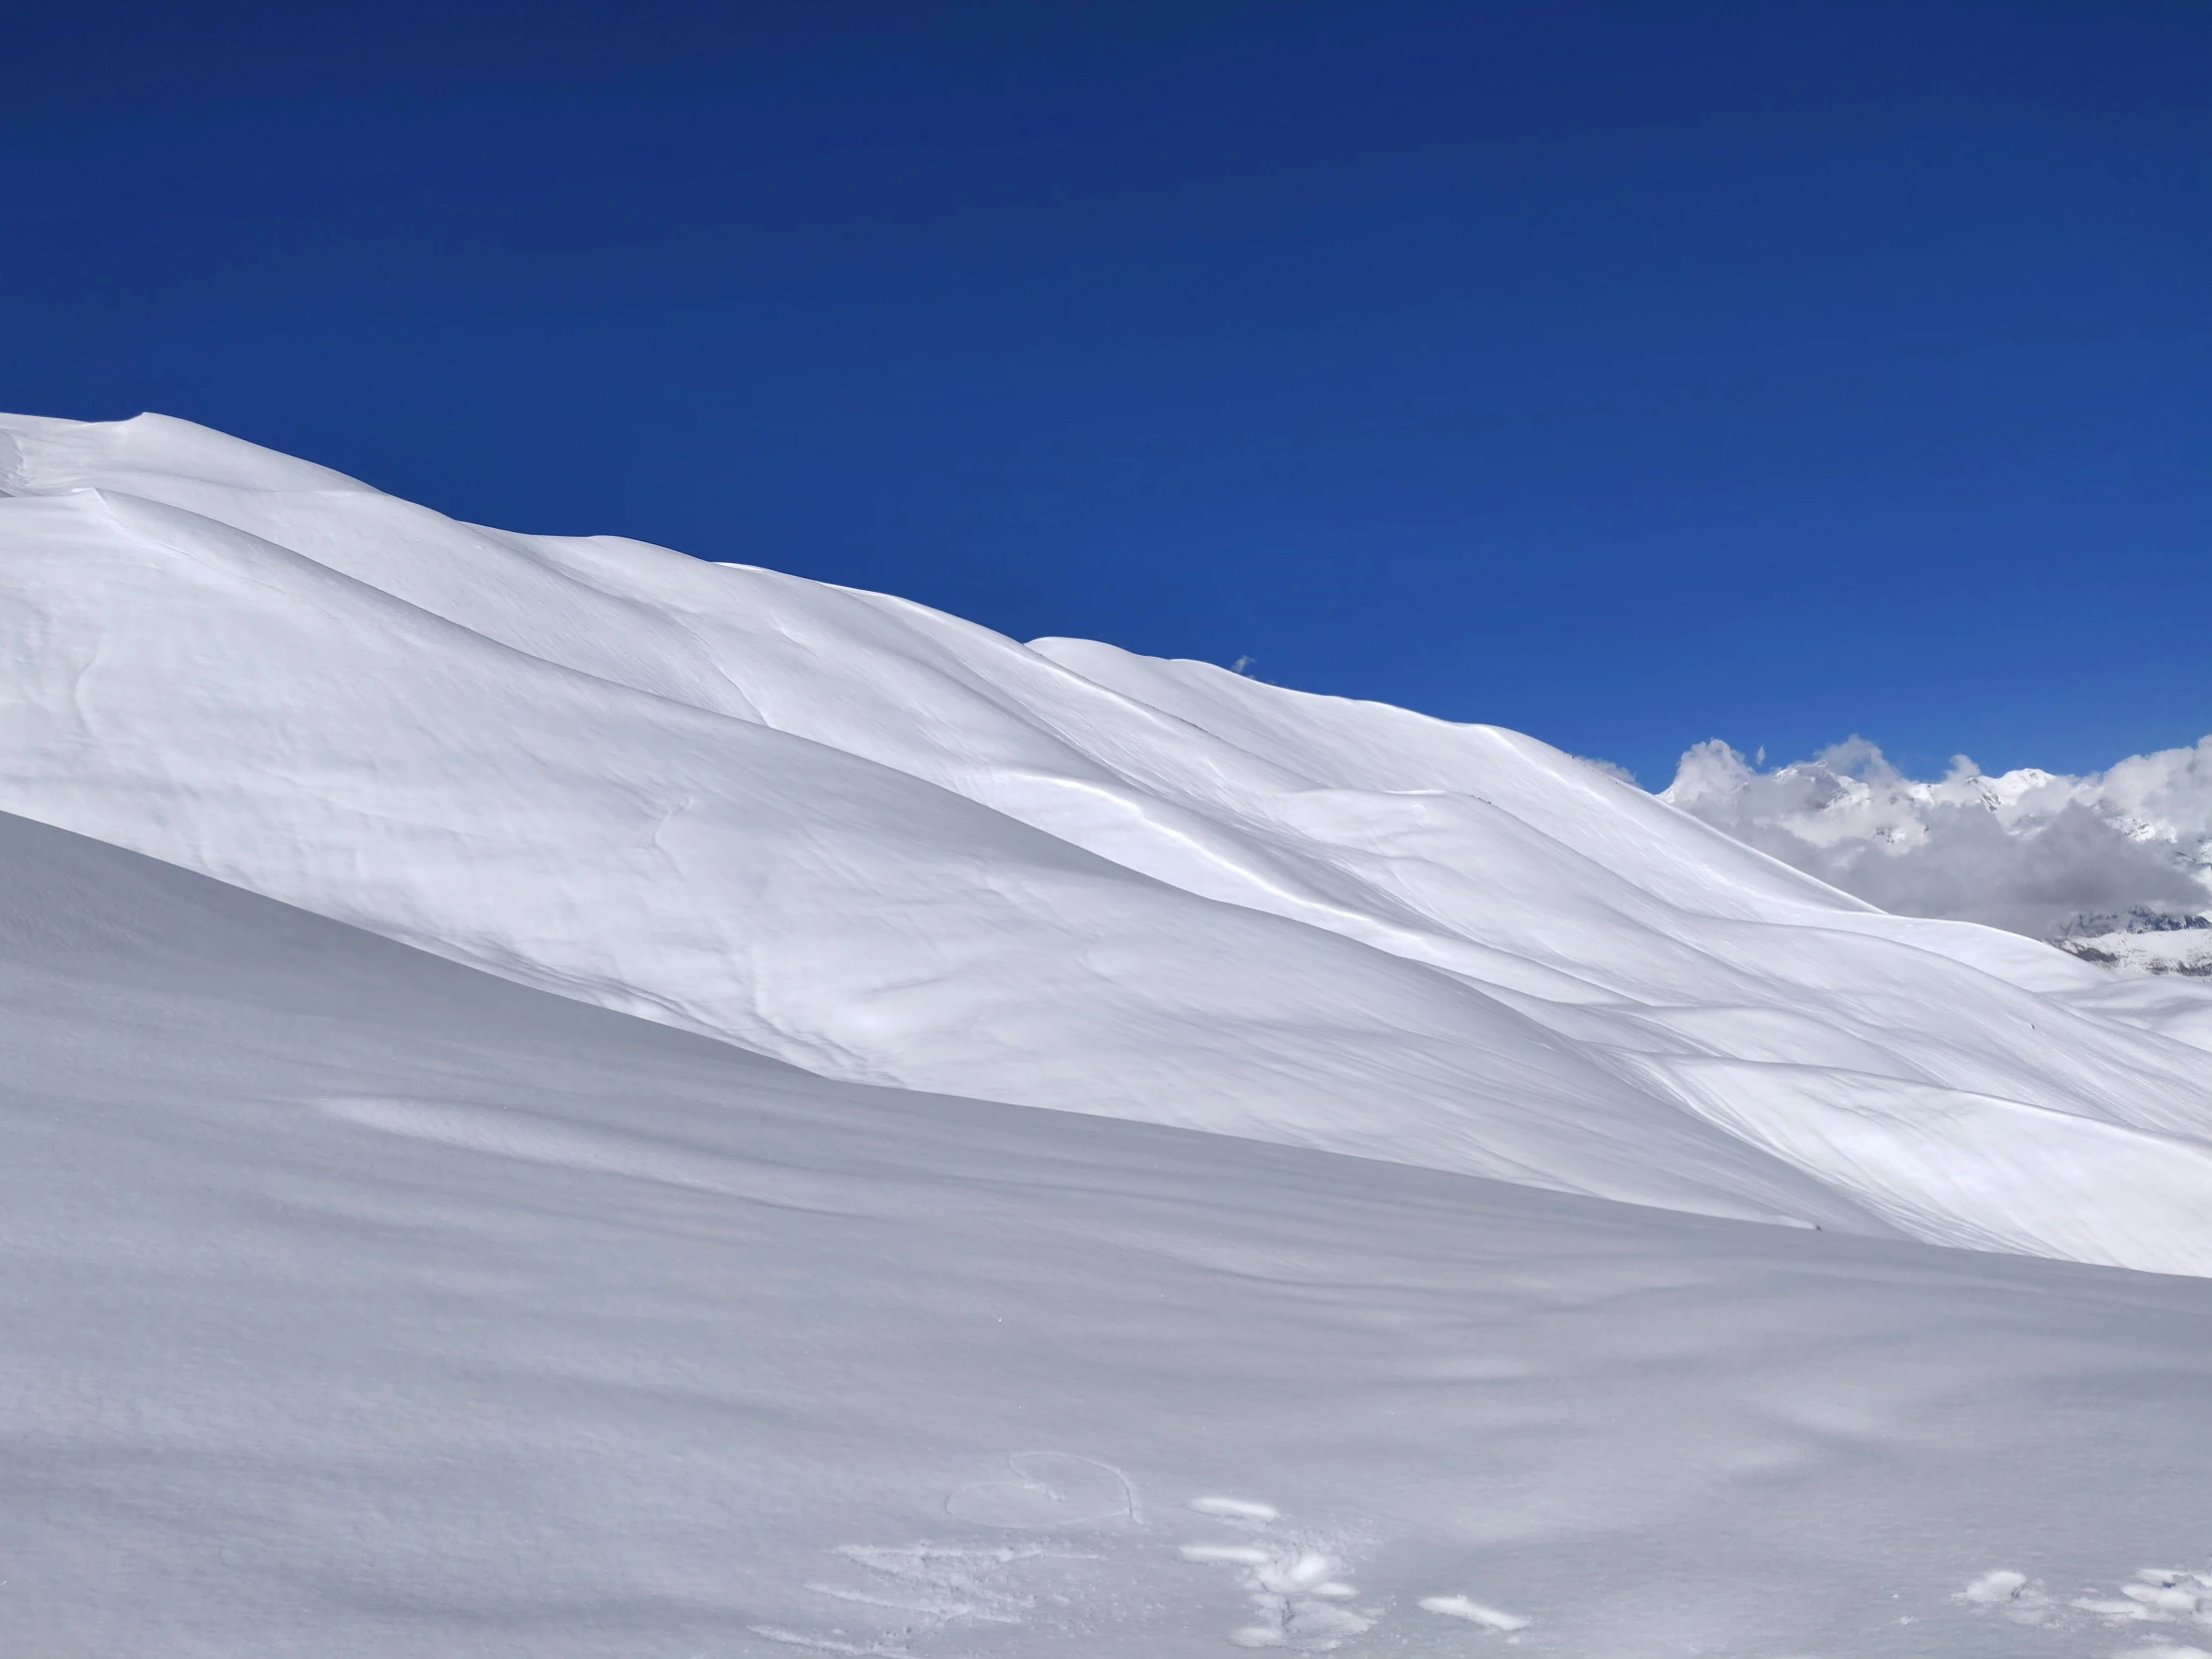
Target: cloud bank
(2038,853)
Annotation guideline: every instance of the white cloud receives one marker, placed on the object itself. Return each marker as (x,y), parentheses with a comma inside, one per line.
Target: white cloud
(2038,853)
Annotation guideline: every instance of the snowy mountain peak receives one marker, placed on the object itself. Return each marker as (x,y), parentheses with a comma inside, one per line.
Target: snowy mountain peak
(2042,853)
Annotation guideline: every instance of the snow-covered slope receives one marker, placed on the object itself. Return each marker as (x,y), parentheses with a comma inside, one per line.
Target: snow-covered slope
(870,841)
(362,1305)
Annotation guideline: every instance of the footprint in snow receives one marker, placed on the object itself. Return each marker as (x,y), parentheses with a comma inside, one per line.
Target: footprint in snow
(1474,1612)
(2010,1594)
(2155,1595)
(919,1588)
(923,1589)
(1293,1584)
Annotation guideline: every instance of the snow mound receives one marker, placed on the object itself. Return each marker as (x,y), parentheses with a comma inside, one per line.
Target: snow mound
(860,838)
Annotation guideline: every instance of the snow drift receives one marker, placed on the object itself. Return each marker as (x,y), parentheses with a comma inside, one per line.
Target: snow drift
(867,840)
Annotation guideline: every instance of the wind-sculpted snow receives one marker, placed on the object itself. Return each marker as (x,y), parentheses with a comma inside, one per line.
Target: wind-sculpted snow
(363,1304)
(887,846)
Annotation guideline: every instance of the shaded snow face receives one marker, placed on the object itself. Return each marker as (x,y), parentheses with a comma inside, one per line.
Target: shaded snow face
(2036,852)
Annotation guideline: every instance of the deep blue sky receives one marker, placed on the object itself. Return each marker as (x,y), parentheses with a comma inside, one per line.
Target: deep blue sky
(1628,373)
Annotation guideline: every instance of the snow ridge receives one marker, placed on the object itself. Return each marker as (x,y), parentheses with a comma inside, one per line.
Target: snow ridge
(870,841)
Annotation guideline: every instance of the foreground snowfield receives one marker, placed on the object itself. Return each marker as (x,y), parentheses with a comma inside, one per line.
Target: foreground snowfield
(365,1302)
(360,1304)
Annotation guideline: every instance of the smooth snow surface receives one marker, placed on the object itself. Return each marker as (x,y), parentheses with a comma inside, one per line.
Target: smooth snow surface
(880,844)
(361,1305)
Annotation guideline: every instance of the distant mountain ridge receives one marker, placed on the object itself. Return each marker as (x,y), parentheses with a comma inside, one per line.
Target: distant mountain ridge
(2127,851)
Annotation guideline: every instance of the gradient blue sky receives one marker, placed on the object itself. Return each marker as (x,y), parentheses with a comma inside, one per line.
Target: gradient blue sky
(1627,373)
